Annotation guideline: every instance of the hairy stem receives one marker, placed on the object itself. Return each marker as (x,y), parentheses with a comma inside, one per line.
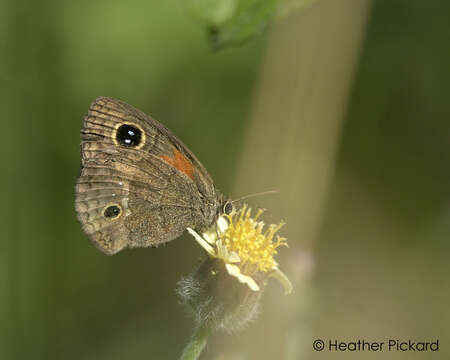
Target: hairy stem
(194,348)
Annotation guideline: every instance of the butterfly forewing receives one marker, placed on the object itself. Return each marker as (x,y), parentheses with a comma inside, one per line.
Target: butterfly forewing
(140,185)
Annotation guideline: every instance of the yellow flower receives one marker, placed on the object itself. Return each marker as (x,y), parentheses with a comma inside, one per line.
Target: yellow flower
(245,247)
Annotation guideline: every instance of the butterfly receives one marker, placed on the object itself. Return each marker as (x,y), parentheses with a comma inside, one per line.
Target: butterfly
(139,186)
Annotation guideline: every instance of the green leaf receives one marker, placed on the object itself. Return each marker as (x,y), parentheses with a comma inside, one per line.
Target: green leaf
(232,22)
(212,12)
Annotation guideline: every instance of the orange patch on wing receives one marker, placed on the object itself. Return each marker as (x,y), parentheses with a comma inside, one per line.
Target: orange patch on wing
(179,161)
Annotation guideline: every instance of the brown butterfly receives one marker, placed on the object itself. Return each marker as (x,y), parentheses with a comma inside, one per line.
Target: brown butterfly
(139,186)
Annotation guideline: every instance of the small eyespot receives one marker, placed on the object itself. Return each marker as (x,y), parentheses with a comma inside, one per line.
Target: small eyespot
(129,135)
(112,211)
(228,208)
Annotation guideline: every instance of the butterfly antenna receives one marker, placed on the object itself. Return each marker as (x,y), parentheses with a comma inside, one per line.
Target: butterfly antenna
(255,194)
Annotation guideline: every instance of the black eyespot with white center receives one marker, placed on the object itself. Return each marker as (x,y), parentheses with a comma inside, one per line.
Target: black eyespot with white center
(129,135)
(228,208)
(112,211)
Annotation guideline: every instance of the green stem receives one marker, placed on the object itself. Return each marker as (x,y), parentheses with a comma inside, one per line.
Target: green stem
(196,345)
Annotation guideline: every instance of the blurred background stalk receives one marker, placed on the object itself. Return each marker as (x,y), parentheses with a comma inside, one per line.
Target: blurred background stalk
(291,142)
(298,110)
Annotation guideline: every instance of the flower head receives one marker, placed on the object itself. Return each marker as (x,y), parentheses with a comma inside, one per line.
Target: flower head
(246,249)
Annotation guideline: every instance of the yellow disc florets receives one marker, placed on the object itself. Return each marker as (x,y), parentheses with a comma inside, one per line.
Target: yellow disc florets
(246,237)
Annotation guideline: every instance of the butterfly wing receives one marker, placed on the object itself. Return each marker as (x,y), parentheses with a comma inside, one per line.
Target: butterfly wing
(140,185)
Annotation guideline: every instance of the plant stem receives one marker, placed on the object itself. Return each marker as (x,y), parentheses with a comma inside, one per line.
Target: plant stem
(194,348)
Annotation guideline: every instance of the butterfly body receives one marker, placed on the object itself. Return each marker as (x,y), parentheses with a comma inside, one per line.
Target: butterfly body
(139,185)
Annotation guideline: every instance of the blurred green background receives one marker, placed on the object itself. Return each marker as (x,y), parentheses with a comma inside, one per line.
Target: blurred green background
(381,255)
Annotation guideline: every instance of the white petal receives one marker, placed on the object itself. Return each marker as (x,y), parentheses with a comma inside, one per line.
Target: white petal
(204,244)
(222,251)
(222,224)
(233,270)
(210,237)
(283,279)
